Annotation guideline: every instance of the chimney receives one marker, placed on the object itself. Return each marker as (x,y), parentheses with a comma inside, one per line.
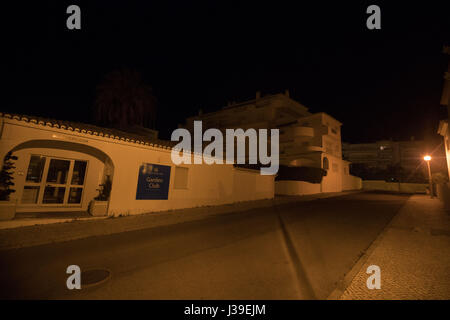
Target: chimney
(286,93)
(258,95)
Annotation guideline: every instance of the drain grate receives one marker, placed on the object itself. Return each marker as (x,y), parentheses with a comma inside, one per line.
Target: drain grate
(94,277)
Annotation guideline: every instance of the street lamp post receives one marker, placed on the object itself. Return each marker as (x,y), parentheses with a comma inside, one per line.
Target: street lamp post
(427,160)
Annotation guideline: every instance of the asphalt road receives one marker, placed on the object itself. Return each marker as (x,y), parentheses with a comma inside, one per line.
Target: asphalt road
(296,251)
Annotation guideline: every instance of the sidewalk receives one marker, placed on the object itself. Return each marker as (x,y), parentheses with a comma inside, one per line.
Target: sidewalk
(28,232)
(413,253)
(20,221)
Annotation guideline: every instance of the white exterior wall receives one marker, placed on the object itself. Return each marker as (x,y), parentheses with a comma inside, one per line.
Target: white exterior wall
(332,182)
(292,188)
(207,184)
(444,131)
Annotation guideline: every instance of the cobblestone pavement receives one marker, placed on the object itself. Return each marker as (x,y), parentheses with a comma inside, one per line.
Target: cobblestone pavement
(413,254)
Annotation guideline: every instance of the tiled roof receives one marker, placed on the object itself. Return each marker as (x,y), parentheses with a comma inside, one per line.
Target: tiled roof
(89,129)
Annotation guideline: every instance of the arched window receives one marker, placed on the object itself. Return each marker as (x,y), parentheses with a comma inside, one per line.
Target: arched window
(326,164)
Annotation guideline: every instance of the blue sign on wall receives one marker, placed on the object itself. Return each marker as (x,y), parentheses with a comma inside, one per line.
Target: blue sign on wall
(153,182)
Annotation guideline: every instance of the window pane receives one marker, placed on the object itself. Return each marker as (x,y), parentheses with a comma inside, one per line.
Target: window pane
(79,171)
(54,195)
(57,171)
(35,169)
(75,195)
(30,194)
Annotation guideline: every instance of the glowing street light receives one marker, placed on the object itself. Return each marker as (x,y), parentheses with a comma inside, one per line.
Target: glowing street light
(427,159)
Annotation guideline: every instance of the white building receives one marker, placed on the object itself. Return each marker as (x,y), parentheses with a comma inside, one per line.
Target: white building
(306,139)
(443,130)
(61,165)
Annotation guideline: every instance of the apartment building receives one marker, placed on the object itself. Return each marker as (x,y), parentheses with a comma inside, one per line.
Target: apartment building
(389,159)
(385,153)
(306,139)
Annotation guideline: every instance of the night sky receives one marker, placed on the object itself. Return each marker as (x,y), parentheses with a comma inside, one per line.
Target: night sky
(380,83)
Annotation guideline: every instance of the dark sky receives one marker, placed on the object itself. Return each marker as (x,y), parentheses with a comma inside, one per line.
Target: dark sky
(380,84)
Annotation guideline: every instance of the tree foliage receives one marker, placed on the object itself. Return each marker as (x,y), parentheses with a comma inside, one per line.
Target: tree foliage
(105,190)
(308,174)
(123,100)
(6,177)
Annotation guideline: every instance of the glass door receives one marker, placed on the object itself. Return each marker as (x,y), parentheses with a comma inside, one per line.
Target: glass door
(54,181)
(33,180)
(76,185)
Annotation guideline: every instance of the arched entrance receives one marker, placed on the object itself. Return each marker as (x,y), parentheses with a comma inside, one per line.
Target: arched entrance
(53,175)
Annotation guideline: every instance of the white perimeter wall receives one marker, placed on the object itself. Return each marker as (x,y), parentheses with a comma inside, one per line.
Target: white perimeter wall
(394,186)
(350,182)
(332,182)
(296,188)
(329,184)
(250,185)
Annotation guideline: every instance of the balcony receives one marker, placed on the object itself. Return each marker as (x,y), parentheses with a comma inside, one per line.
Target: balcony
(303,162)
(296,152)
(302,131)
(301,134)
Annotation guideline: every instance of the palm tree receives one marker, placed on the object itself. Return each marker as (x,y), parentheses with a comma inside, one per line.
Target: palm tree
(124,101)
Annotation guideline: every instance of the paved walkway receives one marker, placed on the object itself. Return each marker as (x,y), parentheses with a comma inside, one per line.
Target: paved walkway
(413,254)
(28,232)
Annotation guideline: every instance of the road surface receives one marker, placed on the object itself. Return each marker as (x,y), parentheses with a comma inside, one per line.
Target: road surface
(296,251)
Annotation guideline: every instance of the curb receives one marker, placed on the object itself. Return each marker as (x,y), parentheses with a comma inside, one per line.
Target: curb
(36,222)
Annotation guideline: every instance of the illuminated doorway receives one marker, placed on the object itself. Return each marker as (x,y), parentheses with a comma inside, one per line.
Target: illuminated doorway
(52,181)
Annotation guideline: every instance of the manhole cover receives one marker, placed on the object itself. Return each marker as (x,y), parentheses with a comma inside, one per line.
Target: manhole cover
(94,277)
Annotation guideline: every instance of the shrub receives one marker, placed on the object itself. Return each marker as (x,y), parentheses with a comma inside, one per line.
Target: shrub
(6,177)
(308,174)
(105,190)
